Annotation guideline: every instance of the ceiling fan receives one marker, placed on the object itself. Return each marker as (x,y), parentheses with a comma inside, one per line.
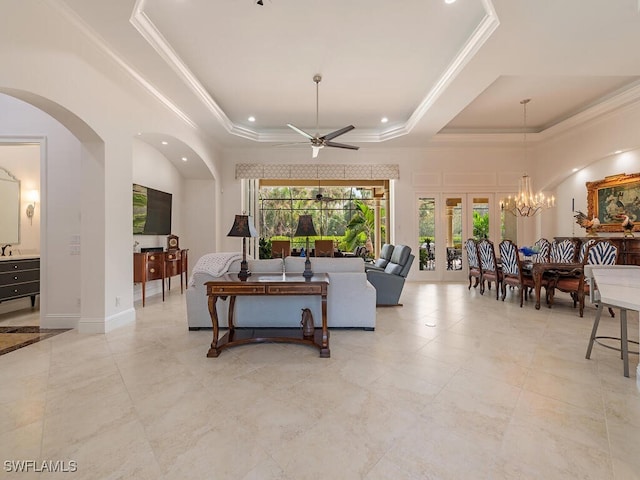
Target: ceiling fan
(320,197)
(317,141)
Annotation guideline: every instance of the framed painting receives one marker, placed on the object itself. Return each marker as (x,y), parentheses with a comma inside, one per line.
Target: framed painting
(612,198)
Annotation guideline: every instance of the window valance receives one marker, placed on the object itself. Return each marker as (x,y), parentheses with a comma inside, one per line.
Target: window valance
(308,171)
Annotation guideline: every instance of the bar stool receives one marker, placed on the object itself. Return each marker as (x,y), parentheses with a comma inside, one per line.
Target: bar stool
(623,339)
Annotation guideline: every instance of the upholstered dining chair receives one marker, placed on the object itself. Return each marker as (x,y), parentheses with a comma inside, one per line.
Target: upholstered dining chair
(543,246)
(324,248)
(473,261)
(490,270)
(280,248)
(512,273)
(563,251)
(583,249)
(598,252)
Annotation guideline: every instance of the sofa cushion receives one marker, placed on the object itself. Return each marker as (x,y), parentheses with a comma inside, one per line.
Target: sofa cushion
(393,268)
(325,264)
(269,265)
(398,259)
(385,256)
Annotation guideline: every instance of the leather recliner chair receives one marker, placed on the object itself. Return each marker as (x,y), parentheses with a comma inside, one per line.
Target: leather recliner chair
(385,256)
(390,281)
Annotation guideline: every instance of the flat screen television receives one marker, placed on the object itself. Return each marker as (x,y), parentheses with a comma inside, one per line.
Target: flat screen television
(151,211)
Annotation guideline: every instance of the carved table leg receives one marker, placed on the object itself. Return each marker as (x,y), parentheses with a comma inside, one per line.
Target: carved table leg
(324,351)
(213,351)
(537,281)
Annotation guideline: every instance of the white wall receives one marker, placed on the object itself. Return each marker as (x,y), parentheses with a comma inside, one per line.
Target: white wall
(445,167)
(23,161)
(574,189)
(52,64)
(58,205)
(152,169)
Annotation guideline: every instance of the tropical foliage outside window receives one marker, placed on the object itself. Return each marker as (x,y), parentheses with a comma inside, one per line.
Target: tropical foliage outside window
(345,214)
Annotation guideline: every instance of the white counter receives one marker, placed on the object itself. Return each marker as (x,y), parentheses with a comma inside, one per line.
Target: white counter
(618,286)
(7,258)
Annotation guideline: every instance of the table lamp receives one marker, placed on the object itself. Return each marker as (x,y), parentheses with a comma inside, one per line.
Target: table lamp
(243,227)
(305,229)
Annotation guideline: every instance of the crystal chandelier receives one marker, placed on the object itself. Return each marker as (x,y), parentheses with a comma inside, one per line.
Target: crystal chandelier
(526,203)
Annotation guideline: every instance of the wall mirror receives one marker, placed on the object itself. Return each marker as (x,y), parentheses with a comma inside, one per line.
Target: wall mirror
(9,208)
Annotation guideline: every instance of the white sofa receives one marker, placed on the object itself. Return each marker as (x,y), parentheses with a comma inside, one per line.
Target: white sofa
(351,299)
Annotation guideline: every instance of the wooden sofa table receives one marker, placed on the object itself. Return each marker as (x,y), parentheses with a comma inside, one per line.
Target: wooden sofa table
(231,286)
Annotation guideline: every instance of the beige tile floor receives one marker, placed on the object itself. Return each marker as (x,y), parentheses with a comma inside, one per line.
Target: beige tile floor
(452,385)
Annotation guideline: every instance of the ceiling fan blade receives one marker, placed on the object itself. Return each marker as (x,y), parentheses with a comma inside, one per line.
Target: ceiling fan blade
(341,145)
(337,133)
(301,132)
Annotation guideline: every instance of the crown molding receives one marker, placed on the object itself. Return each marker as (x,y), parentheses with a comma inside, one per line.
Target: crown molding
(614,104)
(481,34)
(97,40)
(143,24)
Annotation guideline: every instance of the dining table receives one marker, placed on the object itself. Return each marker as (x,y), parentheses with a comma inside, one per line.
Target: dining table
(539,269)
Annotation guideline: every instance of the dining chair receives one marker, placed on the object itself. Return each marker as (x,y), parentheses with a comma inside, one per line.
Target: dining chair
(583,249)
(490,270)
(324,248)
(280,248)
(563,251)
(512,271)
(598,252)
(471,246)
(543,246)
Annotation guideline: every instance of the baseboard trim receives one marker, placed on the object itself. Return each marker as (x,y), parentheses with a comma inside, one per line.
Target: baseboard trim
(108,324)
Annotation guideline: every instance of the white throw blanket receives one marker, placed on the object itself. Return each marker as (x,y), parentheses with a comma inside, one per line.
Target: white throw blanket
(215,264)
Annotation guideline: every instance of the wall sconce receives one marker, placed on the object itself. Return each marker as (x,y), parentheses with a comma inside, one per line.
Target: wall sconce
(32,197)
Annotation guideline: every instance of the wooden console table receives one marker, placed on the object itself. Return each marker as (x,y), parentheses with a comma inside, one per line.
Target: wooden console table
(266,284)
(149,266)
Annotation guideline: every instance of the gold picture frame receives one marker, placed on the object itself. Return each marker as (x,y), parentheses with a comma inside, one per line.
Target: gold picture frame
(612,197)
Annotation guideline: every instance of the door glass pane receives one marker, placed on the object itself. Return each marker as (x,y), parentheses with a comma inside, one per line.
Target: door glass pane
(508,221)
(480,218)
(453,232)
(427,232)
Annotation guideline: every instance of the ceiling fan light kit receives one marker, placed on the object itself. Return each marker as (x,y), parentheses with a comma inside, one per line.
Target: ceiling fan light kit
(317,141)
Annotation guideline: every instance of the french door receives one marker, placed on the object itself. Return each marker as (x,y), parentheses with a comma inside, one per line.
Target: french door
(444,222)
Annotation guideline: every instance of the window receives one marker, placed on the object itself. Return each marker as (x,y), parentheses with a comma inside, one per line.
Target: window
(427,233)
(344,213)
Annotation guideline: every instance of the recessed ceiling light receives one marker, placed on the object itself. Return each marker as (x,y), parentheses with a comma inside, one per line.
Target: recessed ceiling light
(384,119)
(165,143)
(618,151)
(574,170)
(449,1)
(184,159)
(252,118)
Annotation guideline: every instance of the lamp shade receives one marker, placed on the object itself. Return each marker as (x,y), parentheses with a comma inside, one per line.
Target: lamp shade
(305,227)
(242,227)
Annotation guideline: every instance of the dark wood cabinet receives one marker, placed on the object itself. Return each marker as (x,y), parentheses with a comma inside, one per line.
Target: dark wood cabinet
(19,278)
(149,266)
(628,247)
